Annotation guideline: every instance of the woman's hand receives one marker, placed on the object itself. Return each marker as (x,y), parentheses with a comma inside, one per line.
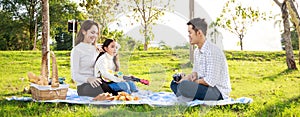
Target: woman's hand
(95,82)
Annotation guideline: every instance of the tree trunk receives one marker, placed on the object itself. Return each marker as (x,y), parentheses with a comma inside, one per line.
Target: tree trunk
(45,38)
(31,24)
(241,43)
(145,47)
(146,37)
(287,37)
(295,19)
(192,12)
(241,37)
(35,34)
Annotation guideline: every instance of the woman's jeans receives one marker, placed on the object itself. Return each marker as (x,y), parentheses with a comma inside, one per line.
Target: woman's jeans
(127,86)
(194,91)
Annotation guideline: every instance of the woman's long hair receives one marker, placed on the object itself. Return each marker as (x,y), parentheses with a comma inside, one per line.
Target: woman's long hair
(86,25)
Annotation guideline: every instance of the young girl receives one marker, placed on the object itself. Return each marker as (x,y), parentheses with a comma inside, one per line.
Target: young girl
(105,67)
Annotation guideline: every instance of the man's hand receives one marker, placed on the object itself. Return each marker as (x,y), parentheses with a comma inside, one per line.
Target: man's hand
(191,77)
(194,76)
(201,81)
(184,77)
(95,82)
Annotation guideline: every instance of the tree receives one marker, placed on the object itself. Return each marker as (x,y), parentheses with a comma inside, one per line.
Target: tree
(20,25)
(287,35)
(192,13)
(19,29)
(126,42)
(104,13)
(236,19)
(295,40)
(61,12)
(32,7)
(295,19)
(88,3)
(147,12)
(10,36)
(45,39)
(214,35)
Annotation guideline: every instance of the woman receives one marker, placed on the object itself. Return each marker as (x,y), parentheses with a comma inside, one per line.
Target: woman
(106,66)
(83,57)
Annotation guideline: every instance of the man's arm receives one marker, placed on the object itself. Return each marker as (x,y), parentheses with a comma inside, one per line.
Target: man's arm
(201,81)
(195,79)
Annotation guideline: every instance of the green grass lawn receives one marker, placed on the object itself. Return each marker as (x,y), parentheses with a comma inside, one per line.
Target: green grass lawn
(262,76)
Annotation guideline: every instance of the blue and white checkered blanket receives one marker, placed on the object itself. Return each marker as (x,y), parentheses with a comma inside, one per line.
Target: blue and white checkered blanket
(146,97)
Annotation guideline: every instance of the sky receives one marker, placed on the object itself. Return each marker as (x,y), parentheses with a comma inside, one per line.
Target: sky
(172,29)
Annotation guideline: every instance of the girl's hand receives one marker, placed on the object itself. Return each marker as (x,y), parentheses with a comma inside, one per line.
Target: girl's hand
(122,80)
(95,82)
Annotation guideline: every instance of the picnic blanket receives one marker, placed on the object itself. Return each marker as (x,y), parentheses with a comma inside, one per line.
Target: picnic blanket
(146,97)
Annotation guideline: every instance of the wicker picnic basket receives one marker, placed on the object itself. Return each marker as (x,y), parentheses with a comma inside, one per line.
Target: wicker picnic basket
(39,92)
(49,92)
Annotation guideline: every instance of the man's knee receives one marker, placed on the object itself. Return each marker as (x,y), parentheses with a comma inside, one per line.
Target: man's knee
(188,88)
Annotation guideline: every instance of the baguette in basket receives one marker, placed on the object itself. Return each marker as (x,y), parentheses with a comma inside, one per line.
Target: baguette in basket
(43,80)
(40,88)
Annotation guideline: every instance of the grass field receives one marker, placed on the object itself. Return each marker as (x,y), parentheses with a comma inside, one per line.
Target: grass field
(262,76)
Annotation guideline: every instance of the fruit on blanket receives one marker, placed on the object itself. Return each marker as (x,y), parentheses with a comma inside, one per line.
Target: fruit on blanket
(122,96)
(110,98)
(136,98)
(103,96)
(129,98)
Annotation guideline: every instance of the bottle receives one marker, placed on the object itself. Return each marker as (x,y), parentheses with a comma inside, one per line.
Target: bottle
(120,74)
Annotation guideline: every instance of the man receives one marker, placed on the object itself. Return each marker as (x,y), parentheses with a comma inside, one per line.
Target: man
(210,78)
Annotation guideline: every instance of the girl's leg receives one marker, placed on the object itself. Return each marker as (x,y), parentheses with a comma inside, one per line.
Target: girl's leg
(132,86)
(106,88)
(115,87)
(124,86)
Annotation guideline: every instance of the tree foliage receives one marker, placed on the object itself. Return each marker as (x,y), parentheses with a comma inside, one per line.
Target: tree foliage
(61,12)
(88,3)
(147,12)
(104,13)
(126,42)
(20,17)
(237,19)
(16,25)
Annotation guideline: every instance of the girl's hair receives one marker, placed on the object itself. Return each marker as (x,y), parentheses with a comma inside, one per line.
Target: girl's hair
(106,44)
(86,25)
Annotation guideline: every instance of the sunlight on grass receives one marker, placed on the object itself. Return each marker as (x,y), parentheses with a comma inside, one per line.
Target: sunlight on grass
(262,76)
